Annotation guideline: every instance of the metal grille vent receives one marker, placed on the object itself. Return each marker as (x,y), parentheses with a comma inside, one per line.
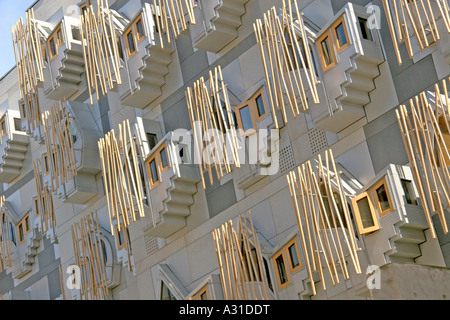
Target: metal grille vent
(151,245)
(287,160)
(317,140)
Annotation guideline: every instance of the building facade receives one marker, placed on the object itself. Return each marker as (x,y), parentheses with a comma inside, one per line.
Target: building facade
(226,149)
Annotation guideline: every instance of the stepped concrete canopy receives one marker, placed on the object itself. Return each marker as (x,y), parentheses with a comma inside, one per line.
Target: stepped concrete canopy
(226,149)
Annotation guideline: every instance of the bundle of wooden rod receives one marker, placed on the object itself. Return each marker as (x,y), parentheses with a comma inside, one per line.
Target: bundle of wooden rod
(324,221)
(210,114)
(5,237)
(171,17)
(28,53)
(241,272)
(426,137)
(122,179)
(415,18)
(45,199)
(59,143)
(284,54)
(31,110)
(100,49)
(89,258)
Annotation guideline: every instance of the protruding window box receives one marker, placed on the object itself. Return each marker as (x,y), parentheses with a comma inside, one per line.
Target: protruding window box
(146,58)
(172,186)
(254,120)
(13,147)
(217,23)
(388,213)
(349,54)
(27,242)
(85,134)
(64,61)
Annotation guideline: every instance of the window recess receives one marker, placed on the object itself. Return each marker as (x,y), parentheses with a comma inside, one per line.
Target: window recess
(330,227)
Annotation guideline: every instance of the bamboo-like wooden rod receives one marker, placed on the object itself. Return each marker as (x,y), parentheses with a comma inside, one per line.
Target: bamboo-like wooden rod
(241,273)
(323,233)
(5,237)
(283,60)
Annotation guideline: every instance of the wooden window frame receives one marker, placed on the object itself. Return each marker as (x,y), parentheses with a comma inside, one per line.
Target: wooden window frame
(128,31)
(3,130)
(148,162)
(282,253)
(36,204)
(322,38)
(159,162)
(252,116)
(374,188)
(199,293)
(58,41)
(300,265)
(258,93)
(46,163)
(336,24)
(357,214)
(23,225)
(136,21)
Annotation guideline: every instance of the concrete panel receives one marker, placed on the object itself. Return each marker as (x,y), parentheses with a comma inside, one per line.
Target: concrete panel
(47,256)
(263,219)
(358,162)
(54,285)
(387,147)
(176,116)
(221,198)
(6,282)
(192,66)
(283,210)
(414,79)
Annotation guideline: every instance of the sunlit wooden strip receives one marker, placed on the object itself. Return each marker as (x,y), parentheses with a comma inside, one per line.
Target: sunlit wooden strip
(100,50)
(5,237)
(426,146)
(89,258)
(241,273)
(45,199)
(210,113)
(407,19)
(324,233)
(283,60)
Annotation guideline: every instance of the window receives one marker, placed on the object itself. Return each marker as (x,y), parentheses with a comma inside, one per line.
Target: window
(280,270)
(166,294)
(382,198)
(260,105)
(287,261)
(202,294)
(162,154)
(152,140)
(119,47)
(365,31)
(131,46)
(55,41)
(140,34)
(23,110)
(408,191)
(245,118)
(37,206)
(120,237)
(153,172)
(24,228)
(326,50)
(340,34)
(3,127)
(46,164)
(157,164)
(365,215)
(17,124)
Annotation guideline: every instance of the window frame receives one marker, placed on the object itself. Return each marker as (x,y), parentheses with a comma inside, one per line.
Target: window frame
(282,253)
(287,246)
(45,162)
(366,29)
(238,108)
(382,182)
(357,214)
(58,41)
(25,230)
(410,188)
(127,44)
(147,163)
(336,24)
(3,129)
(135,23)
(37,206)
(322,38)
(159,163)
(120,246)
(258,93)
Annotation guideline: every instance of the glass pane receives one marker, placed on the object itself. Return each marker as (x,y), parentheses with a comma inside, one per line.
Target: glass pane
(166,294)
(164,161)
(154,171)
(281,269)
(140,29)
(130,42)
(120,236)
(293,255)
(203,296)
(246,118)
(260,106)
(152,141)
(20,232)
(340,35)
(27,223)
(52,47)
(365,213)
(407,190)
(383,198)
(326,52)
